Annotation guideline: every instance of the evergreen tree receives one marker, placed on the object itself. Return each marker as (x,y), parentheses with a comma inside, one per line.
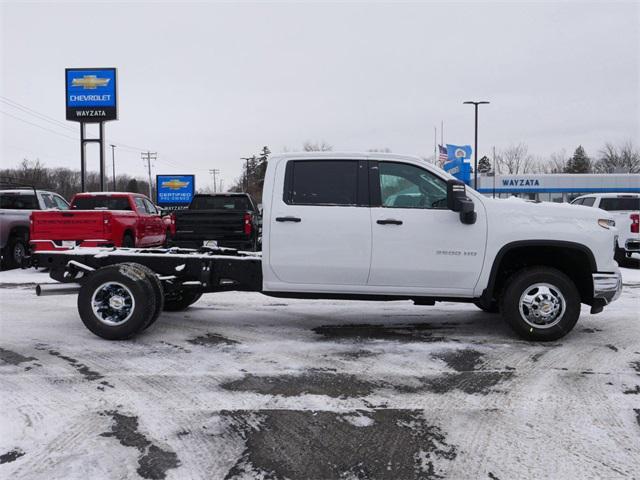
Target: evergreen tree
(132,186)
(484,165)
(579,163)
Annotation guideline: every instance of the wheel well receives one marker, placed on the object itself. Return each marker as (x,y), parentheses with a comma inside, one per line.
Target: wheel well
(130,233)
(574,260)
(20,232)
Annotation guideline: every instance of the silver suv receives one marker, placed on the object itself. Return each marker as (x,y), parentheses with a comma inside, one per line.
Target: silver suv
(16,206)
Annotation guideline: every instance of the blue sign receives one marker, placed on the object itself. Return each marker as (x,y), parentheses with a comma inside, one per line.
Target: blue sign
(91,94)
(459,169)
(458,152)
(175,189)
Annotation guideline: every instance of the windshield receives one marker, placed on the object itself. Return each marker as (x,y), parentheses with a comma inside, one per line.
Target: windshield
(101,203)
(620,204)
(220,203)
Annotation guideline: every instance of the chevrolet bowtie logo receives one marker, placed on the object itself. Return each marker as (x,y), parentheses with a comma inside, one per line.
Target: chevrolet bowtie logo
(90,82)
(174,184)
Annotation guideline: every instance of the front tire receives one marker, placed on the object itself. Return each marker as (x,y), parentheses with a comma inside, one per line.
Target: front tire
(540,304)
(117,302)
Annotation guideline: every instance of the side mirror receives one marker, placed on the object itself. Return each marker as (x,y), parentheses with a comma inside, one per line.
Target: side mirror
(457,201)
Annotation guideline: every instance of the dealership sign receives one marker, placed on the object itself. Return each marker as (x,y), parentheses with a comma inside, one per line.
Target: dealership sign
(520,182)
(91,94)
(174,190)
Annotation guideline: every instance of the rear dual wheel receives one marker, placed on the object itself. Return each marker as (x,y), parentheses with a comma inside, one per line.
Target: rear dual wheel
(119,301)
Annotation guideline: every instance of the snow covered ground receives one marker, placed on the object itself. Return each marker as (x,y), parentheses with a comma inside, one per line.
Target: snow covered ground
(244,386)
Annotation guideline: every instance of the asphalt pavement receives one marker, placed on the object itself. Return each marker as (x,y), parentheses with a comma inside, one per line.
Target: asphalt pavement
(245,386)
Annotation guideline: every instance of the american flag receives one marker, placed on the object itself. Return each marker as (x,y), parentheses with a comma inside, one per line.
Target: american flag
(442,157)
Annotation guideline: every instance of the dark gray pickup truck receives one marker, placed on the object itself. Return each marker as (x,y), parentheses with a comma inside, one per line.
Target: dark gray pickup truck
(229,219)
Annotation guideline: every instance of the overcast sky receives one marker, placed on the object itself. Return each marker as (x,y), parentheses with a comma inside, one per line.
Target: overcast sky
(206,83)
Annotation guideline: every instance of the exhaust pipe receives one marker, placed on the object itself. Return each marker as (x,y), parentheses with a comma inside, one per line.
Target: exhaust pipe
(56,289)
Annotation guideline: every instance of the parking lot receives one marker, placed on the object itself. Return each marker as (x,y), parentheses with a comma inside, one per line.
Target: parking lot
(246,386)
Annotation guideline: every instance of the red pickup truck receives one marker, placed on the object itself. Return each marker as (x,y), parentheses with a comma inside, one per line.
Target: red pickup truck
(100,219)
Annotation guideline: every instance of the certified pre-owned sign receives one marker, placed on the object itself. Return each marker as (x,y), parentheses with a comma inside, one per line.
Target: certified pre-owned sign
(91,94)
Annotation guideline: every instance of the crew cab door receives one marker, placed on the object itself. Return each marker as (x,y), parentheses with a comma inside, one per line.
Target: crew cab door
(320,225)
(145,224)
(156,225)
(418,244)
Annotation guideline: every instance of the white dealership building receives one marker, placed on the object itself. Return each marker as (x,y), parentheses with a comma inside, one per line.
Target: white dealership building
(561,187)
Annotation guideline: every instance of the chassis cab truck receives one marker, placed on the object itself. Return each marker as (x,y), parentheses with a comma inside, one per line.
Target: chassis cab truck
(368,227)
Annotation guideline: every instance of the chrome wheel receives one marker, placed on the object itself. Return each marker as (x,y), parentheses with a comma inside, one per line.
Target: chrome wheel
(112,303)
(542,305)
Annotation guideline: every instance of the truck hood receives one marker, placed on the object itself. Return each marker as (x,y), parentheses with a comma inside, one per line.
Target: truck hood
(519,211)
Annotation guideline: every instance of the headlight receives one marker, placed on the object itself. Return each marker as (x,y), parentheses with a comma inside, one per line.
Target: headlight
(606,223)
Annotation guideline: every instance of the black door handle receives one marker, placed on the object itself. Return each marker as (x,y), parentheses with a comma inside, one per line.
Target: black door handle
(288,219)
(389,221)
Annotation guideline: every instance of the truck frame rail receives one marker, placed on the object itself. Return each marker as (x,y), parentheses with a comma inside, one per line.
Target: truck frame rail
(202,270)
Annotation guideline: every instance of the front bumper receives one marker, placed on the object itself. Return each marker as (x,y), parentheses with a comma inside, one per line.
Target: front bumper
(607,287)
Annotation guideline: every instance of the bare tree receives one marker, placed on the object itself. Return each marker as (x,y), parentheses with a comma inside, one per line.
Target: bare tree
(515,159)
(618,159)
(556,163)
(322,146)
(65,181)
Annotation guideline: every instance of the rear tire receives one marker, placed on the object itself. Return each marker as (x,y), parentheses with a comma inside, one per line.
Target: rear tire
(540,304)
(117,302)
(128,241)
(180,300)
(158,290)
(14,252)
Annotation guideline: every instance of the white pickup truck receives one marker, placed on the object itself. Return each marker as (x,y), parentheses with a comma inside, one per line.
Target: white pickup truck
(368,227)
(625,211)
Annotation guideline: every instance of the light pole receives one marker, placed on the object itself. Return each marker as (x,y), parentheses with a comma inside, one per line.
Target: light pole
(113,163)
(475,150)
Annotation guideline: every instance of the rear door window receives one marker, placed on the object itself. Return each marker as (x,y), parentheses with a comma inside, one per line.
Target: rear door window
(620,204)
(322,182)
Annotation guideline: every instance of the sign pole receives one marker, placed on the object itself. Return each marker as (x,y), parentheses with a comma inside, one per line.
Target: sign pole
(101,145)
(83,167)
(91,97)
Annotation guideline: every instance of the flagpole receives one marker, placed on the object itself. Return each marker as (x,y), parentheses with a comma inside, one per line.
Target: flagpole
(442,132)
(435,145)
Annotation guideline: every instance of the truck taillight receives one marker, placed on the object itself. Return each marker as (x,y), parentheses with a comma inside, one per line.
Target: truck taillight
(635,222)
(247,224)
